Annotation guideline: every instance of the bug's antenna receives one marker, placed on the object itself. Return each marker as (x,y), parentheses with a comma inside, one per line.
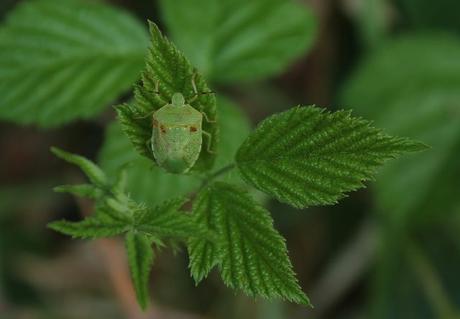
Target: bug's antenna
(157,88)
(157,92)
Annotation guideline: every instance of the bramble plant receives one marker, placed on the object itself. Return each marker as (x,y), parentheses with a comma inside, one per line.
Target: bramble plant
(305,156)
(302,157)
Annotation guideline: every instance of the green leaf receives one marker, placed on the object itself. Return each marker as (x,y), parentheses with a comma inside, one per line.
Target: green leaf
(102,224)
(140,259)
(94,173)
(169,68)
(371,18)
(432,177)
(420,99)
(167,220)
(234,40)
(307,156)
(83,190)
(252,254)
(145,182)
(144,179)
(406,66)
(67,59)
(204,252)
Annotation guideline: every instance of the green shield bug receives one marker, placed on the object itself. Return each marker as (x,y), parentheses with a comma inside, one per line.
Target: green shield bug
(177,133)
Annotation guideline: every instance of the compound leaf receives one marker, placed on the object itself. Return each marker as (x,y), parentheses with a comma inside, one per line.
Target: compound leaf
(167,71)
(306,156)
(166,220)
(234,40)
(68,59)
(102,224)
(140,259)
(252,254)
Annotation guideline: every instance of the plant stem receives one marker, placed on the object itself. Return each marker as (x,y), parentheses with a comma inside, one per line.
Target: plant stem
(216,174)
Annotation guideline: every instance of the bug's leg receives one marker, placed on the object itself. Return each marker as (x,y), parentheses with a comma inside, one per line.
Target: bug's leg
(194,84)
(209,137)
(207,118)
(148,114)
(144,116)
(157,87)
(193,99)
(157,92)
(195,90)
(148,144)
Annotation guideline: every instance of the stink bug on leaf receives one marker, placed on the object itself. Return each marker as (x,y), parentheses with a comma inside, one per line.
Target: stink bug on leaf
(177,133)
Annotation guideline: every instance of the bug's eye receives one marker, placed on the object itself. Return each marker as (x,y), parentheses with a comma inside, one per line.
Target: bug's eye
(193,129)
(163,129)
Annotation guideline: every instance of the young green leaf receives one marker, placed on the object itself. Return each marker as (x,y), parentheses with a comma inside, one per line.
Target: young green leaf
(168,71)
(82,190)
(143,176)
(140,259)
(67,59)
(102,224)
(307,156)
(234,40)
(166,220)
(94,173)
(252,254)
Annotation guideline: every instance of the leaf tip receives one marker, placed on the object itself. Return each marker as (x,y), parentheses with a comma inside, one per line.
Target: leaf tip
(304,300)
(57,151)
(154,29)
(417,146)
(60,189)
(56,226)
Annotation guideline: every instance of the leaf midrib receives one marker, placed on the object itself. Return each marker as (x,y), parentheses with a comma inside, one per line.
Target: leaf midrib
(127,57)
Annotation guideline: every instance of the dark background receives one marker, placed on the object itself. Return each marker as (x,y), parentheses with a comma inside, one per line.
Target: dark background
(363,258)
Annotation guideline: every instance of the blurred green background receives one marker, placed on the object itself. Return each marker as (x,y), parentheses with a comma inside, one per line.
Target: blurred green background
(389,251)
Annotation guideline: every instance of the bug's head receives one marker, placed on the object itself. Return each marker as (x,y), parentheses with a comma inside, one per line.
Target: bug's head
(177,99)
